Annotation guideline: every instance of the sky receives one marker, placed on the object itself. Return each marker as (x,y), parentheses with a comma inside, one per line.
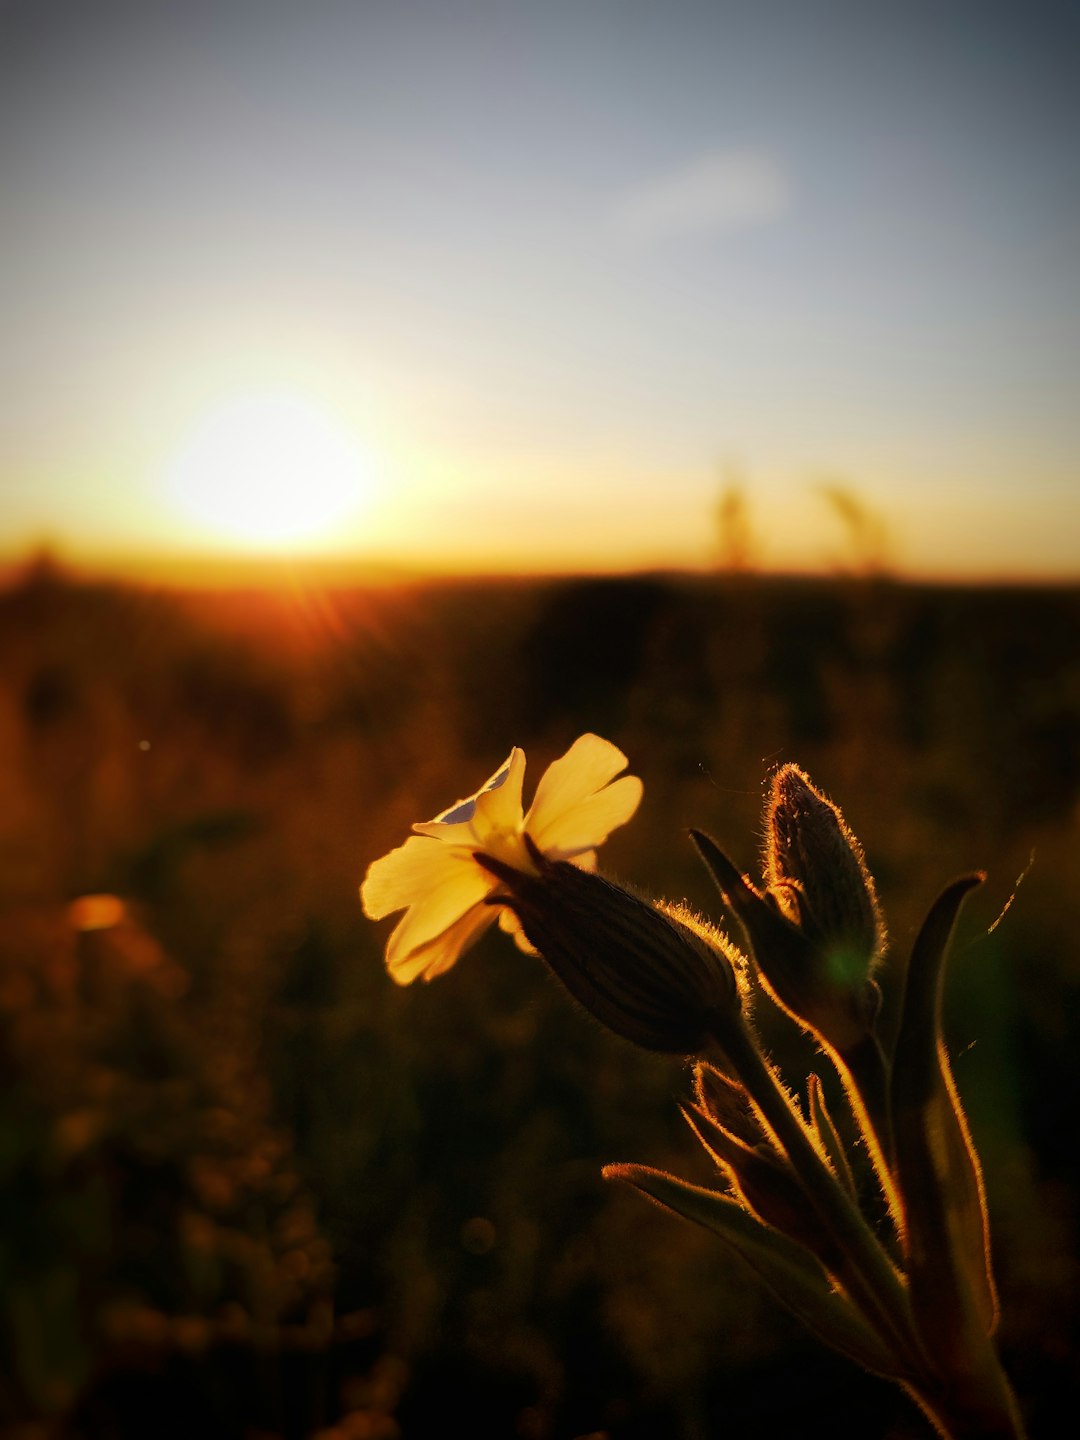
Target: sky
(532,285)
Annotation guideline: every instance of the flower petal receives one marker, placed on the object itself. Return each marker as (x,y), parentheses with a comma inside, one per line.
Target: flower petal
(585,768)
(439,906)
(436,879)
(499,807)
(398,879)
(459,832)
(502,791)
(437,955)
(510,925)
(583,826)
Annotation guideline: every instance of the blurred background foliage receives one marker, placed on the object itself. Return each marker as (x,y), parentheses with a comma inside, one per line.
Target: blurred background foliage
(252,1189)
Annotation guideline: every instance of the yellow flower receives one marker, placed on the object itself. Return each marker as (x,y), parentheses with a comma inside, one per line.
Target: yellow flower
(436,879)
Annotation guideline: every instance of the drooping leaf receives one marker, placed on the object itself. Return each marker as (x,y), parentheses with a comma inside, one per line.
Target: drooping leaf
(788,1270)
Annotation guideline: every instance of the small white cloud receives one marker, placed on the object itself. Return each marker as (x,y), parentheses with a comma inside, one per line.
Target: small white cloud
(718,192)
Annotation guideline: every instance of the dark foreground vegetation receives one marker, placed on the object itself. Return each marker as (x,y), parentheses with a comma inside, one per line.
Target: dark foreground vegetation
(249,1188)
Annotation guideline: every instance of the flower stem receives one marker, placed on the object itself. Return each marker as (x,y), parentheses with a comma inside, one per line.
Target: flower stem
(869,1276)
(864,1073)
(987,1411)
(976,1407)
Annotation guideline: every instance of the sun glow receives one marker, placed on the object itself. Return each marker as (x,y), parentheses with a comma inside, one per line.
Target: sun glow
(269,470)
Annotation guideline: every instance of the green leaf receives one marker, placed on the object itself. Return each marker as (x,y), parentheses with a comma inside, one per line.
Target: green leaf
(788,1270)
(947,1241)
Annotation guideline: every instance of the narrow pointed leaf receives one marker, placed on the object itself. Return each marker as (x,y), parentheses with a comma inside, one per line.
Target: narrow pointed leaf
(827,1136)
(724,1147)
(730,881)
(793,1276)
(948,1248)
(767,1186)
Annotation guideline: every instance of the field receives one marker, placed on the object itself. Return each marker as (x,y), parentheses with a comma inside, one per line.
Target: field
(253,1189)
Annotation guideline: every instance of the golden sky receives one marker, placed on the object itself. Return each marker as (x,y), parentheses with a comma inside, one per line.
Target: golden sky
(499,286)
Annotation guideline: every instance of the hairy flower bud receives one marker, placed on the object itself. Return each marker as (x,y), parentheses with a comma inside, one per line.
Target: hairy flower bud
(726,1101)
(815,932)
(765,1183)
(816,871)
(650,976)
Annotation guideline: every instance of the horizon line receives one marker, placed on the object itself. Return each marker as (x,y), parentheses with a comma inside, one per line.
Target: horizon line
(192,570)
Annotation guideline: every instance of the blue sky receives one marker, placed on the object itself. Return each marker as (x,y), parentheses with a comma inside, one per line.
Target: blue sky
(561,267)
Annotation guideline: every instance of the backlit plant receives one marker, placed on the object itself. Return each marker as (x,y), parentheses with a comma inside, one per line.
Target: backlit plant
(867,1220)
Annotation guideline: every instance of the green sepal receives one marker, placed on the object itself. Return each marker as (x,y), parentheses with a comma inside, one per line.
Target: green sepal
(947,1239)
(786,1269)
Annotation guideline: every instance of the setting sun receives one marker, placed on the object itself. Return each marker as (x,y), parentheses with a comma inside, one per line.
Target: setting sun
(267,469)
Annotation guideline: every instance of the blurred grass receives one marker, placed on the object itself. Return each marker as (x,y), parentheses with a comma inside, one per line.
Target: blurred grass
(250,1188)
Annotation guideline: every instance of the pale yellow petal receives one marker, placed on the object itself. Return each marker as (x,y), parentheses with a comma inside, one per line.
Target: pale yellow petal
(437,955)
(459,833)
(502,791)
(583,826)
(585,768)
(498,807)
(511,925)
(406,874)
(440,906)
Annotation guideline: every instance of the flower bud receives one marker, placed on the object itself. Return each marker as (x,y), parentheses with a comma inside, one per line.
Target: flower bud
(818,973)
(816,870)
(765,1183)
(725,1100)
(658,978)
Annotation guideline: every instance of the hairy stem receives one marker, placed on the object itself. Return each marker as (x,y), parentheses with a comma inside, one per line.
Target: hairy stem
(869,1275)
